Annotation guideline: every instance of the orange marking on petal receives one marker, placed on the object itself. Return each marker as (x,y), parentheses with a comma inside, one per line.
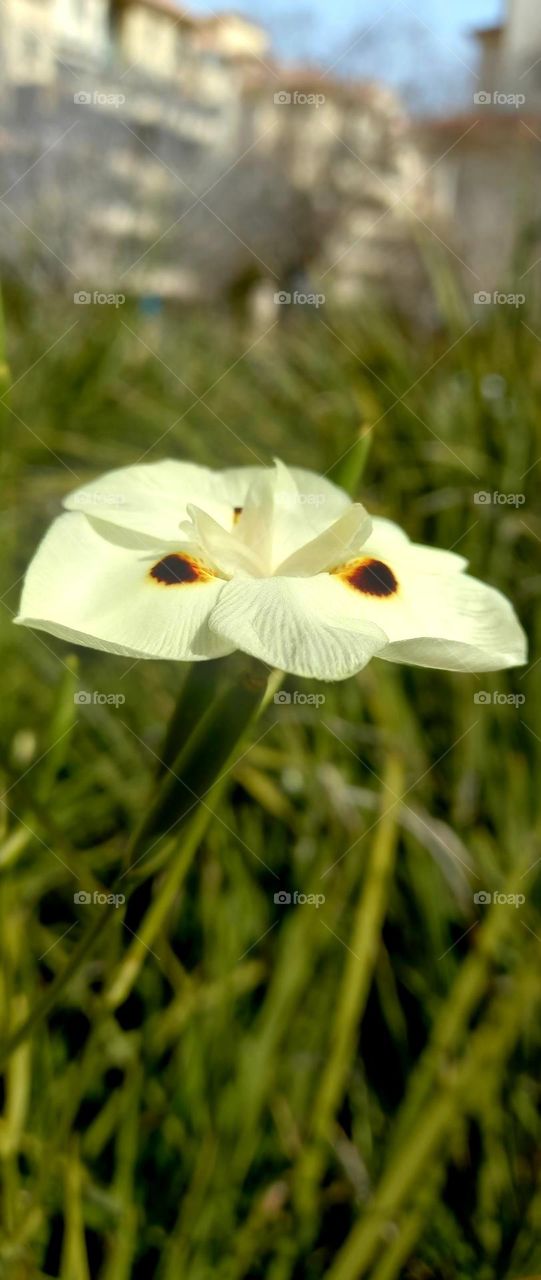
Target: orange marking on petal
(370,577)
(177,569)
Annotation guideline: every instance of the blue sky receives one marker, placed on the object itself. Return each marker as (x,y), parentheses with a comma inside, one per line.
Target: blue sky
(420,45)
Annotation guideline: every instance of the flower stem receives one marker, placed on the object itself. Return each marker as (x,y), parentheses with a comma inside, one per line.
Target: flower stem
(201,684)
(205,755)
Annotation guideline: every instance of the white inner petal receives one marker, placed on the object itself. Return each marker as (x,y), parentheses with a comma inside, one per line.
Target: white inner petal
(281,530)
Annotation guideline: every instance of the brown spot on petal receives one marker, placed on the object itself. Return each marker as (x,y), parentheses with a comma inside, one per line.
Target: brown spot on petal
(177,569)
(237,512)
(370,577)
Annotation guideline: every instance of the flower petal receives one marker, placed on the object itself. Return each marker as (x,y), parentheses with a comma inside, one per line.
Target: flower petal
(224,550)
(387,538)
(303,625)
(153,497)
(341,540)
(445,620)
(325,499)
(281,515)
(96,586)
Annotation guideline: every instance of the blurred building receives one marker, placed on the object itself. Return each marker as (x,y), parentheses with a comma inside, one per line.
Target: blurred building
(150,149)
(511,53)
(484,164)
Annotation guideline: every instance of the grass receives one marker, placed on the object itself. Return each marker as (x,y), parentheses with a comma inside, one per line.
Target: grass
(256,1090)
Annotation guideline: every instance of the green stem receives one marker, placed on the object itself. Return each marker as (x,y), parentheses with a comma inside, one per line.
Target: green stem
(205,755)
(201,684)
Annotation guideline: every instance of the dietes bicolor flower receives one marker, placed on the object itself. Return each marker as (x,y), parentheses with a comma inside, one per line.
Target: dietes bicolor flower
(173,560)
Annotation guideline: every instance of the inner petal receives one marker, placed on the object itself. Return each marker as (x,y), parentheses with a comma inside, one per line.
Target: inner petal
(224,548)
(279,519)
(336,544)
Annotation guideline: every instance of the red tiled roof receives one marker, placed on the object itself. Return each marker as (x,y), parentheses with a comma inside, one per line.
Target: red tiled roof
(469,125)
(483,33)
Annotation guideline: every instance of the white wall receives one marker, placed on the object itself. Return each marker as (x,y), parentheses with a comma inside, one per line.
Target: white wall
(82,25)
(151,40)
(27,38)
(522,42)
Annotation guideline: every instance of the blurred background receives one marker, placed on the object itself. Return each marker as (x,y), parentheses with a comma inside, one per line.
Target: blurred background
(312,233)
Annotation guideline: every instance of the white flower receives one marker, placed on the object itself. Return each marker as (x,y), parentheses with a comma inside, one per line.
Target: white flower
(172,560)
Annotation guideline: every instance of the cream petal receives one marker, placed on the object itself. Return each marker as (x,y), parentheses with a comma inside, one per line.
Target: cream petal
(256,526)
(153,497)
(306,505)
(224,550)
(325,500)
(273,521)
(388,539)
(302,625)
(92,585)
(434,619)
(286,509)
(339,542)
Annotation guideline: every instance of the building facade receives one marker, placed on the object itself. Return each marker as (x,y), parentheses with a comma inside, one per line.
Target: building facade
(168,154)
